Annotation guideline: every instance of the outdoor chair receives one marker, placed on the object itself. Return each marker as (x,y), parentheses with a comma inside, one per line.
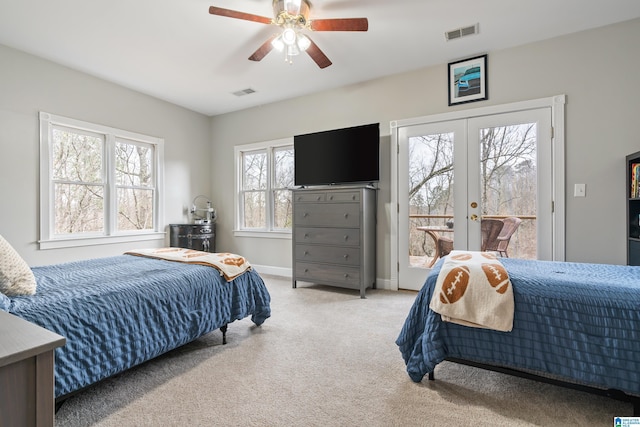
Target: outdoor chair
(445,245)
(490,229)
(510,226)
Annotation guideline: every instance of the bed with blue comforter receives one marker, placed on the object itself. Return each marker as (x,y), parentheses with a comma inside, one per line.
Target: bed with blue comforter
(576,323)
(118,312)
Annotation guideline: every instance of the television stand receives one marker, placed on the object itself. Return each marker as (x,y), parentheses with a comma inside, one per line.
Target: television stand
(334,236)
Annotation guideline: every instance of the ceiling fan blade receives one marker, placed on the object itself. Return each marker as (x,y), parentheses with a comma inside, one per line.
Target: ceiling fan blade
(317,55)
(239,15)
(340,24)
(263,50)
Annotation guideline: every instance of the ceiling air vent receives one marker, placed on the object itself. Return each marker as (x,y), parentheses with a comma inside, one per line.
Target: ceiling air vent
(244,92)
(461,32)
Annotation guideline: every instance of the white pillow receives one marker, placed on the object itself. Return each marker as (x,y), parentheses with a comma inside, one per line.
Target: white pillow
(16,278)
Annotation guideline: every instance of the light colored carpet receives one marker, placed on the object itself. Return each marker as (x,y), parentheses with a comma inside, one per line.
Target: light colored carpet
(324,358)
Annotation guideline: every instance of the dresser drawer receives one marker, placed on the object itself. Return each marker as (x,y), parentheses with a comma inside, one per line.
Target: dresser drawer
(309,196)
(328,236)
(328,254)
(343,196)
(346,276)
(327,214)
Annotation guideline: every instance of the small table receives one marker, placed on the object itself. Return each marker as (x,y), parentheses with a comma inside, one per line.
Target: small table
(434,232)
(26,372)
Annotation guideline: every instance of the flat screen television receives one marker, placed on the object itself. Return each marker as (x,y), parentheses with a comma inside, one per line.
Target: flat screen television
(339,156)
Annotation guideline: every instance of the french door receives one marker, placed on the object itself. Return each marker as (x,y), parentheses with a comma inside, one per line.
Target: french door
(452,174)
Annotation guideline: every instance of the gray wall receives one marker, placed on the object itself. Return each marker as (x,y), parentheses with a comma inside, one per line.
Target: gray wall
(29,85)
(595,69)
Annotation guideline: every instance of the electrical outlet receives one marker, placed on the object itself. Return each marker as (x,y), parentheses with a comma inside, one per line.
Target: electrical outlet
(580,190)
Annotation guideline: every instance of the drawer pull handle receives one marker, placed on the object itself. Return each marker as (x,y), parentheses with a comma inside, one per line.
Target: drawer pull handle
(306,253)
(306,235)
(330,197)
(304,215)
(318,198)
(346,215)
(306,270)
(346,237)
(346,275)
(345,256)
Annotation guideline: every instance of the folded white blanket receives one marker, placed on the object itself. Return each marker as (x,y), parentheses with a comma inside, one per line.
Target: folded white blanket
(229,265)
(473,289)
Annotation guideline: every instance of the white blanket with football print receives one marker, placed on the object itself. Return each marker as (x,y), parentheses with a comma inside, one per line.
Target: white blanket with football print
(229,265)
(473,289)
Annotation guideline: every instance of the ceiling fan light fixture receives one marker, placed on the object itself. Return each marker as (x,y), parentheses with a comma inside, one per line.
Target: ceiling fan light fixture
(289,36)
(292,6)
(303,42)
(292,51)
(277,43)
(292,16)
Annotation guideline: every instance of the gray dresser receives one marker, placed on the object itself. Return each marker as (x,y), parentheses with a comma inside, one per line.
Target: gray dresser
(334,236)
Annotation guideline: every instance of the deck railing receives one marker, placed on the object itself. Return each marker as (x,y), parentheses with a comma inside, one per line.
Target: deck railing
(421,247)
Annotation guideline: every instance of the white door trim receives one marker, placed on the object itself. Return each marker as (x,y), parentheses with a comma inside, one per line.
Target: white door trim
(557,104)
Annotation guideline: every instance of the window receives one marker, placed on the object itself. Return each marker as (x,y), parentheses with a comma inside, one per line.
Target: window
(98,184)
(265,174)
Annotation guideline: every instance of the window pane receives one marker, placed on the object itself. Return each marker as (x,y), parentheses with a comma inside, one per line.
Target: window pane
(76,156)
(508,180)
(283,158)
(135,209)
(78,209)
(134,164)
(282,209)
(254,209)
(254,166)
(430,178)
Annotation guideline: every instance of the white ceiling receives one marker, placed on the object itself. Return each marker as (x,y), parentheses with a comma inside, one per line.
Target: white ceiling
(176,51)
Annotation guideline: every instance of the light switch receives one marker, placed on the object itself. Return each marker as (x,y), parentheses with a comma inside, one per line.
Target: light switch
(580,190)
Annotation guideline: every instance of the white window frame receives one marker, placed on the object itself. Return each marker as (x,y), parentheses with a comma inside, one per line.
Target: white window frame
(269,231)
(48,239)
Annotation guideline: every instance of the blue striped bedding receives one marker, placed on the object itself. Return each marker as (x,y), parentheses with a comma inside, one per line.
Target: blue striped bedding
(573,322)
(120,311)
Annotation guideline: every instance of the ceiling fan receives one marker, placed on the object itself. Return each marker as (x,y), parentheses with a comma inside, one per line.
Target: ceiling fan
(292,16)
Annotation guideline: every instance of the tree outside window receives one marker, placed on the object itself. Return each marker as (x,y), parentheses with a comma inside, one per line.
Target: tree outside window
(508,172)
(264,195)
(134,185)
(97,182)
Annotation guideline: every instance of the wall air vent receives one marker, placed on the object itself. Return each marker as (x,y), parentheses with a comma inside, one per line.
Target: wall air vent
(244,92)
(461,32)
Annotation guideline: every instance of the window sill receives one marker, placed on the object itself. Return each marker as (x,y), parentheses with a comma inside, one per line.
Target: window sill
(73,242)
(263,234)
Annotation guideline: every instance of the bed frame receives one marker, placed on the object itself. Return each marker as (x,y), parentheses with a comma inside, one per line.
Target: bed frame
(614,394)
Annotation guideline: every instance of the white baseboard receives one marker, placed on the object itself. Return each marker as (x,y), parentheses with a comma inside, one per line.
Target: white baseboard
(286,272)
(273,271)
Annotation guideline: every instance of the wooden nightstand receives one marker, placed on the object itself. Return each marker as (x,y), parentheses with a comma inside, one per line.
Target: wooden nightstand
(26,372)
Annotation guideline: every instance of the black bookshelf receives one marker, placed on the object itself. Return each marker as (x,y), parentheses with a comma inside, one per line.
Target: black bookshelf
(633,208)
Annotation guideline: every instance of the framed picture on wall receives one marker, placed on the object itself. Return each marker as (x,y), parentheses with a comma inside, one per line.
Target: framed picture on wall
(468,80)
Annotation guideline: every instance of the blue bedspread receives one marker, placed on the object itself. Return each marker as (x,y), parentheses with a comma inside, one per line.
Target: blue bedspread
(120,311)
(574,322)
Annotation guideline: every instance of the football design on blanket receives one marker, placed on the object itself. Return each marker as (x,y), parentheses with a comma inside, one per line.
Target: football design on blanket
(473,289)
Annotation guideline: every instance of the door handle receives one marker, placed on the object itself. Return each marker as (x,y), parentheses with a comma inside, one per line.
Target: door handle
(474,217)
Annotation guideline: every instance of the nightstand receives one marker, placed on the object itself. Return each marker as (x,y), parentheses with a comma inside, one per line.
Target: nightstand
(26,372)
(200,237)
